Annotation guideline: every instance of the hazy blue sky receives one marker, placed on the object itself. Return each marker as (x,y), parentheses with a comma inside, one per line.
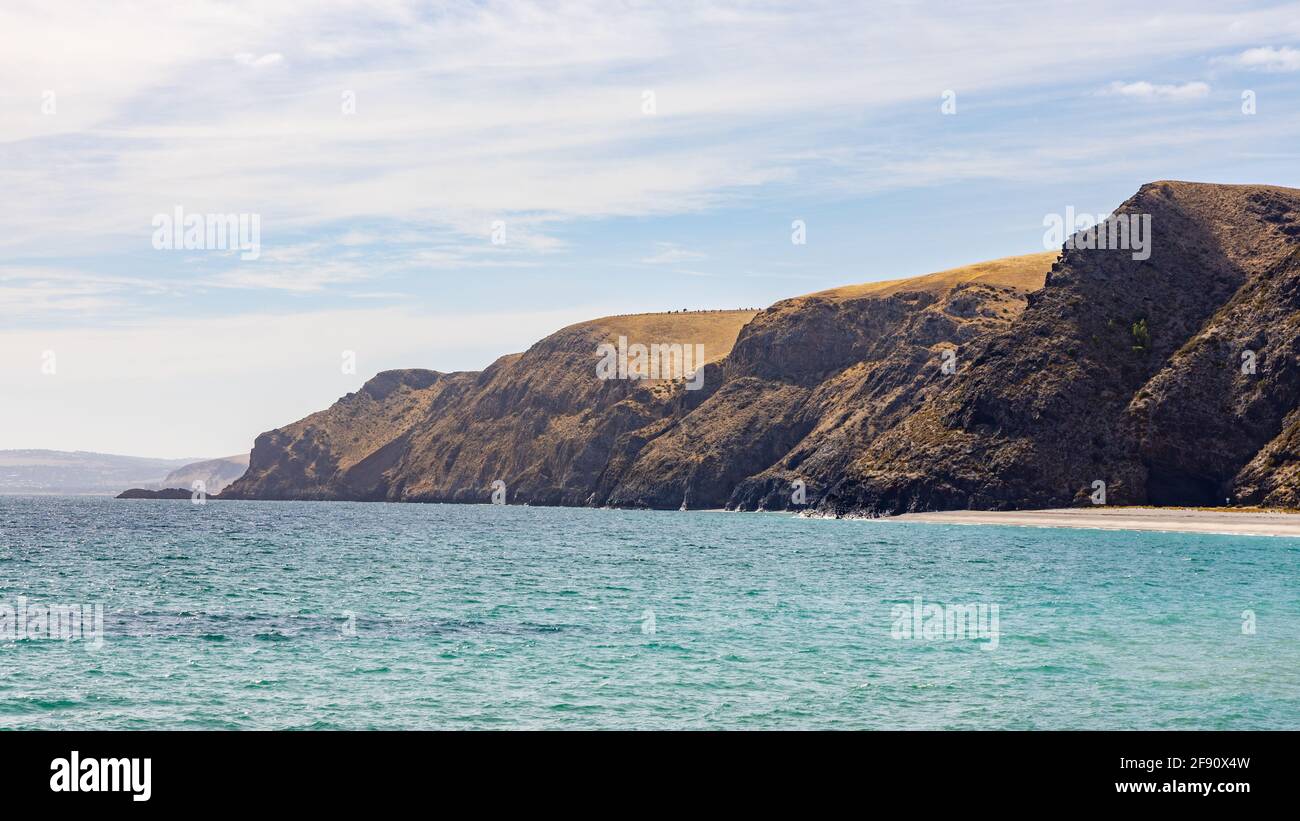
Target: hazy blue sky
(376,226)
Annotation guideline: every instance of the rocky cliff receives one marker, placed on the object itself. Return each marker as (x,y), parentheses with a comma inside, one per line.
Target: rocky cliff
(542,422)
(1169,377)
(805,382)
(1172,379)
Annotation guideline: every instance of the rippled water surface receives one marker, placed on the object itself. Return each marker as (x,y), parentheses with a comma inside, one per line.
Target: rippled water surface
(339,615)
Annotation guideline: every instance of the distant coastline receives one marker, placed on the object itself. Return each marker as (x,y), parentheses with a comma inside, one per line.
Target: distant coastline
(164,493)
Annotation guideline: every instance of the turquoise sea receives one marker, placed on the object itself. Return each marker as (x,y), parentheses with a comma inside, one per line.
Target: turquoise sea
(337,615)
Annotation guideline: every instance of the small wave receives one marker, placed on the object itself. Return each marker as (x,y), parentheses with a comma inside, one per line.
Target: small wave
(36,705)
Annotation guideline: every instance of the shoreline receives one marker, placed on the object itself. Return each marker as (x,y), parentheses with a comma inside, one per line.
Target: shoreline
(1279,523)
(1149,519)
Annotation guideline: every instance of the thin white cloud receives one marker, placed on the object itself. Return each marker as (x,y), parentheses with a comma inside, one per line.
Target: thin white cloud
(506,109)
(1265,58)
(33,293)
(671,254)
(379,295)
(302,279)
(250,60)
(1150,91)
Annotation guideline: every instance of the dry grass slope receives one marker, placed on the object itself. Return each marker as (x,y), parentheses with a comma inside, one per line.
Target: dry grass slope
(716,330)
(1025,273)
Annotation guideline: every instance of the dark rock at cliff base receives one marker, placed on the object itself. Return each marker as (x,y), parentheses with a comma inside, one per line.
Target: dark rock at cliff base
(165,493)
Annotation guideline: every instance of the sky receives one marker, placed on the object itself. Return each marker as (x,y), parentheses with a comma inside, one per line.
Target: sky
(438,184)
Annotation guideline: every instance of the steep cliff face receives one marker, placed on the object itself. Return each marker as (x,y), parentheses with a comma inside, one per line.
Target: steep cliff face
(1272,479)
(806,382)
(1172,378)
(343,452)
(1121,370)
(542,422)
(812,380)
(547,425)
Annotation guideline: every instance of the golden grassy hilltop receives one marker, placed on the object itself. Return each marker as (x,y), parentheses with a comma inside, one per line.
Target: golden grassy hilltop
(716,330)
(1024,273)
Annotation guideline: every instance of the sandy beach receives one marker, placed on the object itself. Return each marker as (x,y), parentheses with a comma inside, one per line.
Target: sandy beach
(1179,520)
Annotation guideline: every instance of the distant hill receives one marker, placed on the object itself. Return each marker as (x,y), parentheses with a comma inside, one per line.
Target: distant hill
(214,473)
(79,472)
(82,473)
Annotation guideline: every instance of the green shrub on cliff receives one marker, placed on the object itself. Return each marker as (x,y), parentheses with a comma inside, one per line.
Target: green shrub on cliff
(1141,338)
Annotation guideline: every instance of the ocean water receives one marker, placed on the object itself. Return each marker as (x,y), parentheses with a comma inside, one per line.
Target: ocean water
(338,615)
